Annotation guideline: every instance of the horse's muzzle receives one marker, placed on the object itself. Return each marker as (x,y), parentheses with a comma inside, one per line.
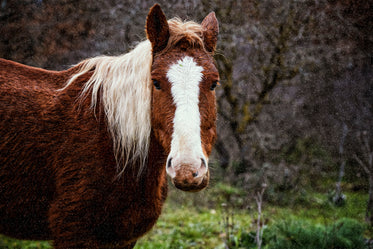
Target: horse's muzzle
(188,177)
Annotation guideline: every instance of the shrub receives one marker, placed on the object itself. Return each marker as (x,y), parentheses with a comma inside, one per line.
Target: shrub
(294,234)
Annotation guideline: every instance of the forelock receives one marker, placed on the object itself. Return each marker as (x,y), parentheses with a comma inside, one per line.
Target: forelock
(188,32)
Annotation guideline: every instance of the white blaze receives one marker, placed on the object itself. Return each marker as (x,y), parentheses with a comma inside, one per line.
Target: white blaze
(185,76)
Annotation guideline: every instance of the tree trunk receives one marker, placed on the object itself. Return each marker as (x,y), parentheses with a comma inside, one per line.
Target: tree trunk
(339,197)
(369,212)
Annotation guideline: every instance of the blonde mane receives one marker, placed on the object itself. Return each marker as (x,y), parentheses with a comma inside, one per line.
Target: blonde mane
(124,84)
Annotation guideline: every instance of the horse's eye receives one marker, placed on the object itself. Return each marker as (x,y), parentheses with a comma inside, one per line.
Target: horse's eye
(214,84)
(156,85)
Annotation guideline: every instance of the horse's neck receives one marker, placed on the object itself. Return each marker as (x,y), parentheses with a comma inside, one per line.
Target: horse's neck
(154,174)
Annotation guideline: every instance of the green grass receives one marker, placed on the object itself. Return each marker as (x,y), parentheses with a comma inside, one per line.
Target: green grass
(200,220)
(300,234)
(320,210)
(9,243)
(190,226)
(187,227)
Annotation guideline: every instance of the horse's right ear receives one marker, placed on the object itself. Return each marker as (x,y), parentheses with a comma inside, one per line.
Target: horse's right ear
(157,29)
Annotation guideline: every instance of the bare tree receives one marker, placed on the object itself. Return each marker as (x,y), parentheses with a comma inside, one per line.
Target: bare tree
(365,160)
(339,197)
(264,67)
(260,220)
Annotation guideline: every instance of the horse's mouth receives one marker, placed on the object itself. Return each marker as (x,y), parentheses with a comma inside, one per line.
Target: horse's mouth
(193,186)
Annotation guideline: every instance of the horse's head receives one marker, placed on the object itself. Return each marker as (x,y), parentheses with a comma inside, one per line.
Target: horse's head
(183,96)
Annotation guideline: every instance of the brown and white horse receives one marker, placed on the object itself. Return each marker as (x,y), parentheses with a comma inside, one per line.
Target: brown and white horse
(85,152)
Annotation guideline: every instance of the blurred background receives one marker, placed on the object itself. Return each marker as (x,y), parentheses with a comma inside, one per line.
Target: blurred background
(295,104)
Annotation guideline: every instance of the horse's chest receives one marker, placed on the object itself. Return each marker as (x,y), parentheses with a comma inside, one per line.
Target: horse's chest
(130,214)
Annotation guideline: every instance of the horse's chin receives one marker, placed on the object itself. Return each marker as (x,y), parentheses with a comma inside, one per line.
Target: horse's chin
(193,187)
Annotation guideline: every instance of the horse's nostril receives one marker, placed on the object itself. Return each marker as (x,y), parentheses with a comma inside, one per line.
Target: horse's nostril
(169,162)
(195,174)
(203,162)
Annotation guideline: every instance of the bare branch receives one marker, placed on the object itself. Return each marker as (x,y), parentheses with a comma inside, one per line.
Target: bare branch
(362,164)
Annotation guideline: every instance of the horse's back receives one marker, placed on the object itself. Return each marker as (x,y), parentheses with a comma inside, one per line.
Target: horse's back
(15,72)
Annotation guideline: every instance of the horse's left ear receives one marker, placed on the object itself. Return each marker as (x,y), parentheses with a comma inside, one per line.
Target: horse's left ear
(210,28)
(157,29)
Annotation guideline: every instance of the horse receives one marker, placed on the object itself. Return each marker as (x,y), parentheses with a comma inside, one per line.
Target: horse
(85,152)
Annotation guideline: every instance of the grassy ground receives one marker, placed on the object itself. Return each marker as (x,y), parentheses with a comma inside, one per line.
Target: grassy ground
(189,226)
(209,219)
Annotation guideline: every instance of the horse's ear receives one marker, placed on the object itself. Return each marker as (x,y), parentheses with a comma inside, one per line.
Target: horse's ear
(210,28)
(157,29)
